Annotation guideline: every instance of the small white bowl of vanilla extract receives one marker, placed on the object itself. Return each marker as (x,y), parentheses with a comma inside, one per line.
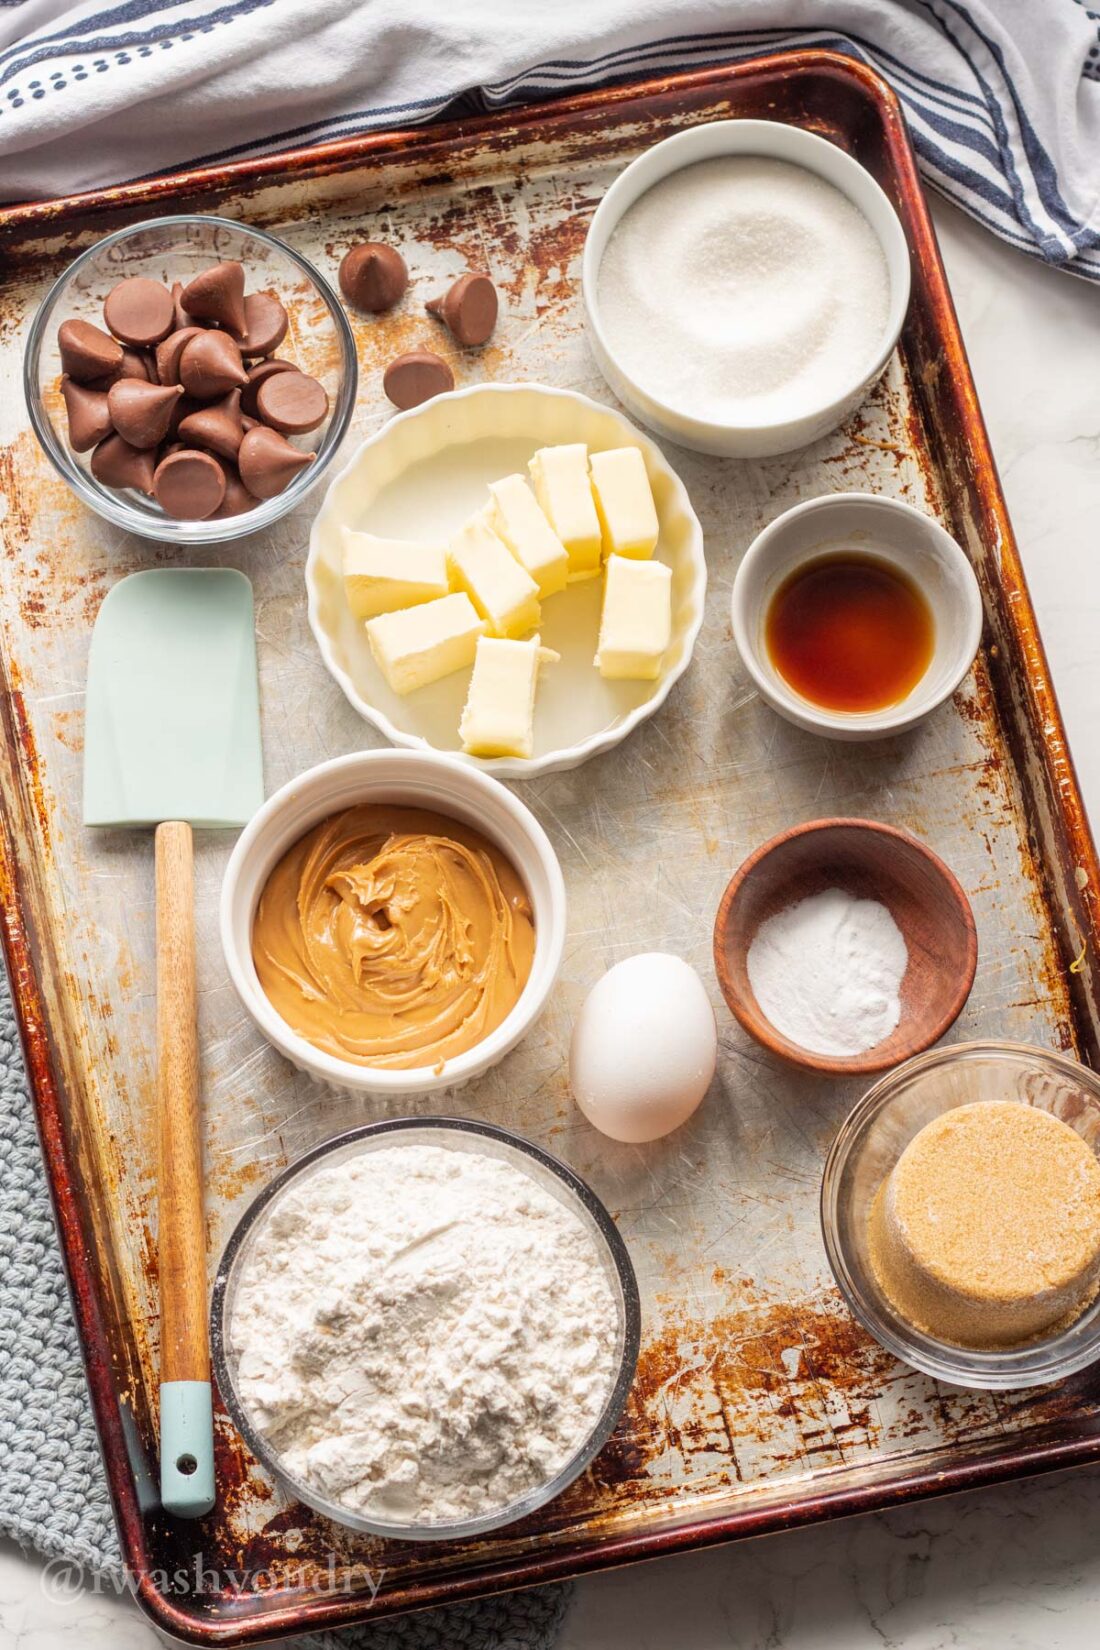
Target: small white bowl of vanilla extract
(856,616)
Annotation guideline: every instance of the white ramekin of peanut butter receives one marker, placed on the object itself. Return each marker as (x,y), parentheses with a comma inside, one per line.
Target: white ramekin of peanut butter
(393,921)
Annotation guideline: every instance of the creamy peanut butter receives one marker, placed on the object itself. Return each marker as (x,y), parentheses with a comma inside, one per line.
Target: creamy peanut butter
(393,937)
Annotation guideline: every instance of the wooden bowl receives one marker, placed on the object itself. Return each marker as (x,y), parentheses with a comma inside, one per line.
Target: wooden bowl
(871,861)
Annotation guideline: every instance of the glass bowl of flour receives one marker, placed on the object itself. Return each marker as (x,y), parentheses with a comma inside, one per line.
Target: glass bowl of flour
(745,283)
(425,1329)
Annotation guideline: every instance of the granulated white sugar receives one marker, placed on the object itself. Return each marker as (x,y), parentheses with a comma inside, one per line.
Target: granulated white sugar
(744,290)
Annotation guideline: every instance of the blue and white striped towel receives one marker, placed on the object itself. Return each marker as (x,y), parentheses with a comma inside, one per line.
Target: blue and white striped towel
(1003,96)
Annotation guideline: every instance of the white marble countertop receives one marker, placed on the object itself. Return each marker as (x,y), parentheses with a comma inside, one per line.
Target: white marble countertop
(1016,1568)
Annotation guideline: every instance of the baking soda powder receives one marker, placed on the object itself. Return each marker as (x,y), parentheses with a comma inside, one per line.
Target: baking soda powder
(827,973)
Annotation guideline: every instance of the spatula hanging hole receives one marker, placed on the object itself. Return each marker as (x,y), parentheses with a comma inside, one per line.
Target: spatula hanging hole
(186,1464)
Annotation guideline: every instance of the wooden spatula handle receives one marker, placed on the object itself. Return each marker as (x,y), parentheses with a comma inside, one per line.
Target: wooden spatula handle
(184,1351)
(186,1428)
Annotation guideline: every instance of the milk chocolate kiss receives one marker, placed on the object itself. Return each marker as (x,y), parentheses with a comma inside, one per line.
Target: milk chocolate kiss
(210,364)
(468,309)
(189,485)
(116,464)
(416,377)
(141,412)
(373,276)
(237,498)
(169,352)
(266,322)
(217,294)
(292,403)
(139,311)
(268,463)
(137,363)
(217,426)
(257,373)
(182,318)
(88,415)
(87,352)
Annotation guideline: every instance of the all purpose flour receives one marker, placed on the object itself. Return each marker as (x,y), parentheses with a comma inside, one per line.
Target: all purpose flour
(423,1334)
(744,289)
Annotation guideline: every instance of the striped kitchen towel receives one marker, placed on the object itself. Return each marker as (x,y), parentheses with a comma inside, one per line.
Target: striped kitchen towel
(1003,96)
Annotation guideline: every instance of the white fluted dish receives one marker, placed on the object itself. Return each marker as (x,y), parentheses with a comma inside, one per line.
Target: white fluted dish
(420,477)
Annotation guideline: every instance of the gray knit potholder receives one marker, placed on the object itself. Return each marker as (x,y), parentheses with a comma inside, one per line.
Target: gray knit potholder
(53,1495)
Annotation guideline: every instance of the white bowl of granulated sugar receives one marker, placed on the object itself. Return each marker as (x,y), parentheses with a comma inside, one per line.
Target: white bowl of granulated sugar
(425,1328)
(745,283)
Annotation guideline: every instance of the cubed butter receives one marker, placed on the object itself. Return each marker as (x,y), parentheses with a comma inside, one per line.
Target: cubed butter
(505,595)
(560,478)
(499,717)
(624,503)
(382,575)
(636,620)
(418,645)
(516,517)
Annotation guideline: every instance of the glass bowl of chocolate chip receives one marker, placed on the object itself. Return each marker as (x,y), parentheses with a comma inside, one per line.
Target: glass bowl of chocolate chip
(191,378)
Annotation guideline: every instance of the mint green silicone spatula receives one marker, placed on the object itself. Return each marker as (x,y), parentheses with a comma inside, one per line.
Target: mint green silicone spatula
(172,740)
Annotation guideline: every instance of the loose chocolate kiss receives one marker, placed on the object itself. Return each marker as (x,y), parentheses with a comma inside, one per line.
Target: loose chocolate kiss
(373,276)
(416,377)
(468,309)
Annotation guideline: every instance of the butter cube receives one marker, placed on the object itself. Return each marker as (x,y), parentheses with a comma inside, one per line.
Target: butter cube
(499,717)
(381,575)
(624,503)
(560,479)
(636,621)
(505,595)
(516,517)
(418,645)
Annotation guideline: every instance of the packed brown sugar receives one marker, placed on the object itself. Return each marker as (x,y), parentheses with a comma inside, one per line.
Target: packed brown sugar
(987,1232)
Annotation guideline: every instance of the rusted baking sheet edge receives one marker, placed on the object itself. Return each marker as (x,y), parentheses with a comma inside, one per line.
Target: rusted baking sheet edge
(534,120)
(1039,710)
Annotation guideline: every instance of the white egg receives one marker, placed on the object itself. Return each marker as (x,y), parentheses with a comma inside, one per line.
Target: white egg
(644,1048)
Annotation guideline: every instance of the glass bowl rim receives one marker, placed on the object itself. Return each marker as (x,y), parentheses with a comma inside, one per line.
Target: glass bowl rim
(166,529)
(1033,1364)
(619,1263)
